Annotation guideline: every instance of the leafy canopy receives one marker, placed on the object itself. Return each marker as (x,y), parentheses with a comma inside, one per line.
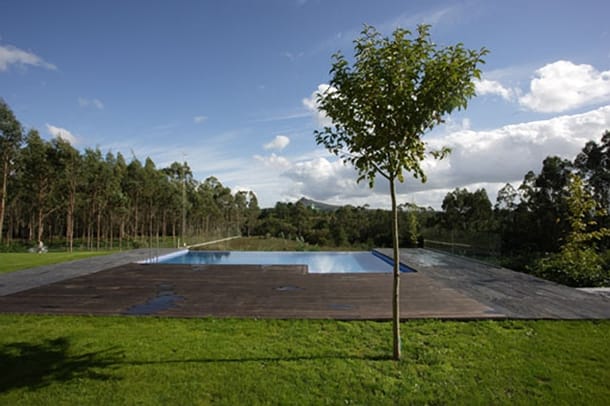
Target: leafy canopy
(397,89)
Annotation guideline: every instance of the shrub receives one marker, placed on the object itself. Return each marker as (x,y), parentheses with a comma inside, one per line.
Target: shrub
(573,267)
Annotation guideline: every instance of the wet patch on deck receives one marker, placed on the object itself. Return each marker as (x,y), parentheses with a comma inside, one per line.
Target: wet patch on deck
(165,300)
(289,288)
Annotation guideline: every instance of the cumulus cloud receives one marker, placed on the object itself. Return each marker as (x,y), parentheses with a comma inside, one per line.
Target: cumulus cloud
(323,179)
(563,85)
(97,103)
(62,133)
(312,105)
(507,153)
(274,161)
(10,55)
(479,159)
(279,142)
(492,87)
(199,119)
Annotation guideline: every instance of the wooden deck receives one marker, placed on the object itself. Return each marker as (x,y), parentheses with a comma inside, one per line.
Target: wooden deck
(444,286)
(243,291)
(514,294)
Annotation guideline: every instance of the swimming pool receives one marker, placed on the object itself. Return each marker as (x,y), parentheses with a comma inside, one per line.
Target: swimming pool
(317,262)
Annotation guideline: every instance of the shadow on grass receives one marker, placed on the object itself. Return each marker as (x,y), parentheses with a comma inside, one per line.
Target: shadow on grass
(241,360)
(37,365)
(32,366)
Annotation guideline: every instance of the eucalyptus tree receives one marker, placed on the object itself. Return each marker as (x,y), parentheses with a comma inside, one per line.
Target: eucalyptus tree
(132,186)
(397,89)
(593,163)
(179,180)
(467,210)
(150,191)
(209,210)
(120,201)
(39,182)
(97,174)
(252,212)
(68,165)
(11,138)
(550,204)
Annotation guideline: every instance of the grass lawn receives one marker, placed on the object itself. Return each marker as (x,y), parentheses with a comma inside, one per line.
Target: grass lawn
(10,261)
(145,360)
(271,244)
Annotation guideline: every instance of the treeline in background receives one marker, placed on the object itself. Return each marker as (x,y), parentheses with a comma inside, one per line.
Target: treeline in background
(554,224)
(52,192)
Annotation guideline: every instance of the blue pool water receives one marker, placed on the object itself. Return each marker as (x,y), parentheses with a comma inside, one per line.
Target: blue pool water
(317,262)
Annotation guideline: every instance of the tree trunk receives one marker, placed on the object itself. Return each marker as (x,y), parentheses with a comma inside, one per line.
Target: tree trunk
(121,233)
(98,230)
(111,230)
(40,227)
(396,272)
(3,198)
(70,222)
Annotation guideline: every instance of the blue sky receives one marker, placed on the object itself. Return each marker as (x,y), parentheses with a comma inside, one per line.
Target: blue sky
(229,85)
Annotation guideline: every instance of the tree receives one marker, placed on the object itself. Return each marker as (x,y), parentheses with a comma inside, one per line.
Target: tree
(543,197)
(39,176)
(507,198)
(467,211)
(252,212)
(68,164)
(397,89)
(11,137)
(593,163)
(578,262)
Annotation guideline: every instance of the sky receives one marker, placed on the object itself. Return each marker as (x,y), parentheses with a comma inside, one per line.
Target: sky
(229,86)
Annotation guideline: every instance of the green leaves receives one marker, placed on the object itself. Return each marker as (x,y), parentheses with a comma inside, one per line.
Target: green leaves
(396,90)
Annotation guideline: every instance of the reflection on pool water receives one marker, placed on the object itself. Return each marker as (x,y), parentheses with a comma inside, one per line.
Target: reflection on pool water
(317,262)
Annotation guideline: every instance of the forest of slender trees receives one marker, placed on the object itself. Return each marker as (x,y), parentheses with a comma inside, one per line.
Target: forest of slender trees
(54,193)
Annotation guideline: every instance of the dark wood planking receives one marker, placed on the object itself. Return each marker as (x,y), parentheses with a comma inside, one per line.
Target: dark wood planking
(515,294)
(445,286)
(246,291)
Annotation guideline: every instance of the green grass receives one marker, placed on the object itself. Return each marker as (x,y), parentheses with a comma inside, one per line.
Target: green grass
(270,244)
(79,360)
(10,261)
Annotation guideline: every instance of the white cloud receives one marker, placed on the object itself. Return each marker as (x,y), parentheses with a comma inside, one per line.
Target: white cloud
(311,103)
(62,133)
(507,153)
(97,103)
(563,85)
(10,55)
(484,87)
(279,142)
(199,119)
(274,161)
(323,179)
(479,159)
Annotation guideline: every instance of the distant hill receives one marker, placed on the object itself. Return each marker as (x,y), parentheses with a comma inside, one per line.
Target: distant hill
(317,205)
(329,207)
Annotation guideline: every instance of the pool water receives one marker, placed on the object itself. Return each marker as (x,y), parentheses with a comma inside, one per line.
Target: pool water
(317,262)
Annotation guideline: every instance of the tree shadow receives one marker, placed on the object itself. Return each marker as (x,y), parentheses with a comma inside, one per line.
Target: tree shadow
(37,365)
(242,360)
(29,365)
